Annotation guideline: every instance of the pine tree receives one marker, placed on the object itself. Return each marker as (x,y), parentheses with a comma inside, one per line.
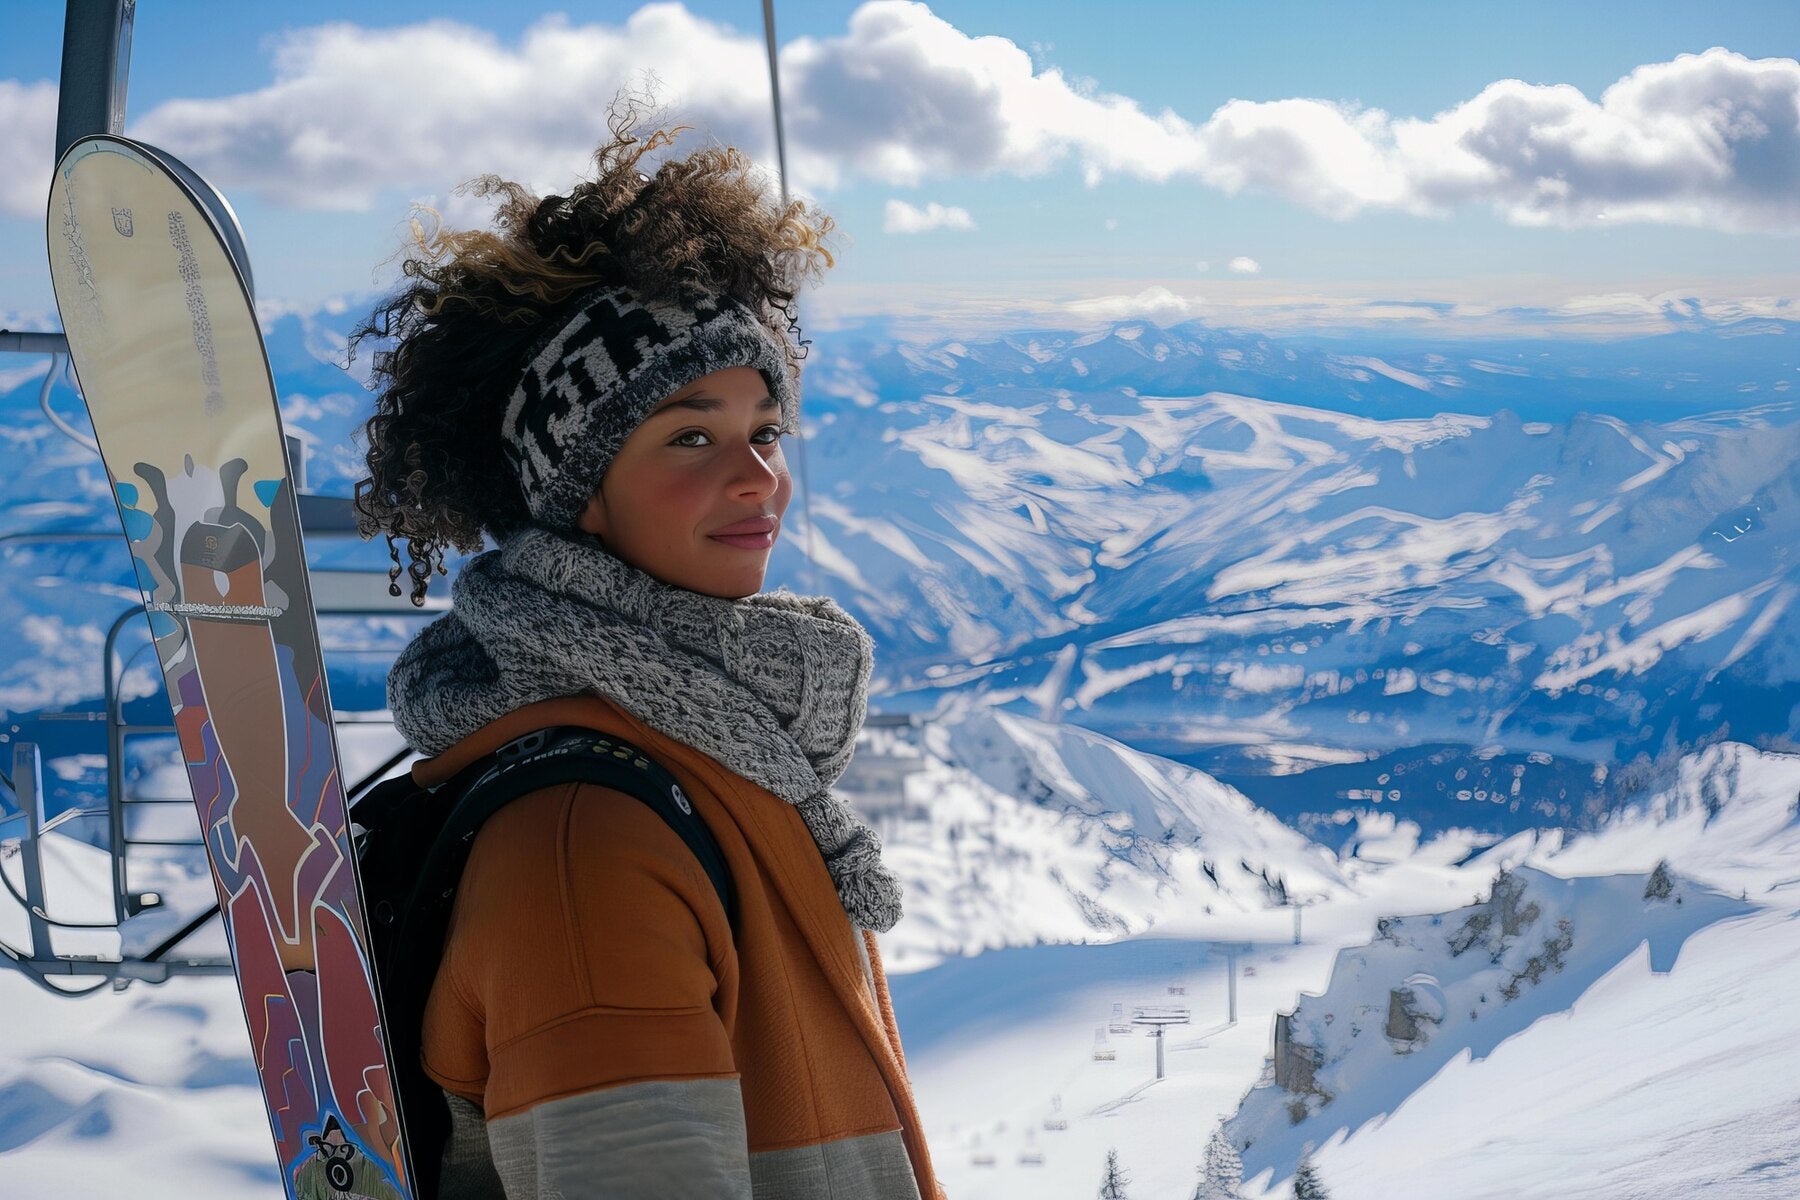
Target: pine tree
(1307,1185)
(1223,1172)
(1113,1186)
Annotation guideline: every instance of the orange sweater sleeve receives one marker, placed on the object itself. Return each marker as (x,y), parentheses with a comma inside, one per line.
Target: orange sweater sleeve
(587,950)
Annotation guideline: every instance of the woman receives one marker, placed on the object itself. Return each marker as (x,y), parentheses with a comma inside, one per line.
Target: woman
(602,385)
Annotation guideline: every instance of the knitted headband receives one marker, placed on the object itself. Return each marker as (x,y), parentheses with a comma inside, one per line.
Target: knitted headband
(596,377)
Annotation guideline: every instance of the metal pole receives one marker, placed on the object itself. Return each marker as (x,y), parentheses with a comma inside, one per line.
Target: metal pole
(1159,1052)
(1296,924)
(28,786)
(96,62)
(1231,987)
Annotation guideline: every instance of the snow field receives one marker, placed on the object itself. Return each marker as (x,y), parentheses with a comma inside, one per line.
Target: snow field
(1625,1084)
(149,1093)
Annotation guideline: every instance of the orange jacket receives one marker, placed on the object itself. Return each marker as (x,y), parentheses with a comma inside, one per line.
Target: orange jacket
(591,980)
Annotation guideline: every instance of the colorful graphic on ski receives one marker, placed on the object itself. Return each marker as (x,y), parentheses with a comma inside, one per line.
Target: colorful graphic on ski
(171,362)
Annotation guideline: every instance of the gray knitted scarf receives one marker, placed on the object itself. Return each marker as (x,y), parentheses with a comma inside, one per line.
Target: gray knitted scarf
(773,686)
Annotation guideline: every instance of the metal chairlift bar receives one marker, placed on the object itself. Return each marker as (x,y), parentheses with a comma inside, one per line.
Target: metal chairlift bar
(28,786)
(15,342)
(96,64)
(69,814)
(113,968)
(212,911)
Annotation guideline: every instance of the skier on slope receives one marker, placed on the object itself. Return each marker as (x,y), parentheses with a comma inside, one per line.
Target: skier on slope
(601,385)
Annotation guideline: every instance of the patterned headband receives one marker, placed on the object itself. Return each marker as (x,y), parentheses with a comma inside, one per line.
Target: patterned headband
(595,378)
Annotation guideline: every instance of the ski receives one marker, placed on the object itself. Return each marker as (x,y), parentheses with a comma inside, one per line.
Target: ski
(149,274)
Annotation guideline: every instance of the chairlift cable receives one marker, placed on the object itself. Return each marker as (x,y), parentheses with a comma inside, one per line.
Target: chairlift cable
(775,94)
(812,569)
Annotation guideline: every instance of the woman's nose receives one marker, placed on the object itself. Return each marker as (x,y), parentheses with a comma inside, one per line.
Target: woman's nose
(756,475)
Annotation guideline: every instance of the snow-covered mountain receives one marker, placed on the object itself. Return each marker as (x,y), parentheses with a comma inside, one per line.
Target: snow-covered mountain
(1013,832)
(1263,587)
(1448,577)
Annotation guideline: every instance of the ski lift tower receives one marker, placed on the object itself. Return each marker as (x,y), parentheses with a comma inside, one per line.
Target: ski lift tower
(1157,1016)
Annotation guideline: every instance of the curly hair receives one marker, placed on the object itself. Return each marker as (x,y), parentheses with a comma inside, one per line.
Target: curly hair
(475,301)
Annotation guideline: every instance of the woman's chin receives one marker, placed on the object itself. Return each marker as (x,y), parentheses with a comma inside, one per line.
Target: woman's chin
(735,586)
(730,581)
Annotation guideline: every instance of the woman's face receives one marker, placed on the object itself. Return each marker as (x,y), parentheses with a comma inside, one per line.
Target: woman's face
(696,494)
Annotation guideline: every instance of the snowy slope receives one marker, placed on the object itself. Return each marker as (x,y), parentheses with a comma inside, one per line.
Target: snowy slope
(1602,1079)
(1284,579)
(1728,816)
(1453,987)
(149,1093)
(1629,1014)
(1013,832)
(1650,1087)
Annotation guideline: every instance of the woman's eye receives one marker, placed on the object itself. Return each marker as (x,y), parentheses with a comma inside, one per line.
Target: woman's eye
(691,438)
(768,435)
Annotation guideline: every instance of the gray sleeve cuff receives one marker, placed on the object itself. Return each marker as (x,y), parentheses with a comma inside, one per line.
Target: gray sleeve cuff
(678,1139)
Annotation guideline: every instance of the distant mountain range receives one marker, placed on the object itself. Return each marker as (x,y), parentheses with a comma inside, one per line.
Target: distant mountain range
(1465,579)
(1447,550)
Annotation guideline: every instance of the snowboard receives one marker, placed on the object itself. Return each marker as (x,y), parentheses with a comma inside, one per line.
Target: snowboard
(146,260)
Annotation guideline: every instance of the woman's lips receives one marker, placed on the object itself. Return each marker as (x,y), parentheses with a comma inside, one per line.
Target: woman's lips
(756,533)
(747,541)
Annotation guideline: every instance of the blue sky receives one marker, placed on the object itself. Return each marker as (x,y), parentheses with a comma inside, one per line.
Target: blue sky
(1085,161)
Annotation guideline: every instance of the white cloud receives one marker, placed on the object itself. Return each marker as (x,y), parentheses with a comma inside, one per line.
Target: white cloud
(937,310)
(1244,265)
(1154,302)
(903,96)
(355,111)
(1111,223)
(27,147)
(902,217)
(1203,266)
(1710,139)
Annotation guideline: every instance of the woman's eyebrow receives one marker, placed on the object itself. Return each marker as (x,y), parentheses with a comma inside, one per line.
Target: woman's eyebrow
(709,404)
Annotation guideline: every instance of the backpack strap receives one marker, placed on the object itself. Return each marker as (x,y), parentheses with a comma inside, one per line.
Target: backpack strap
(571,754)
(545,758)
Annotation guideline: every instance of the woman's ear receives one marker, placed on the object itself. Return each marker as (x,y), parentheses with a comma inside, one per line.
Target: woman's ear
(593,517)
